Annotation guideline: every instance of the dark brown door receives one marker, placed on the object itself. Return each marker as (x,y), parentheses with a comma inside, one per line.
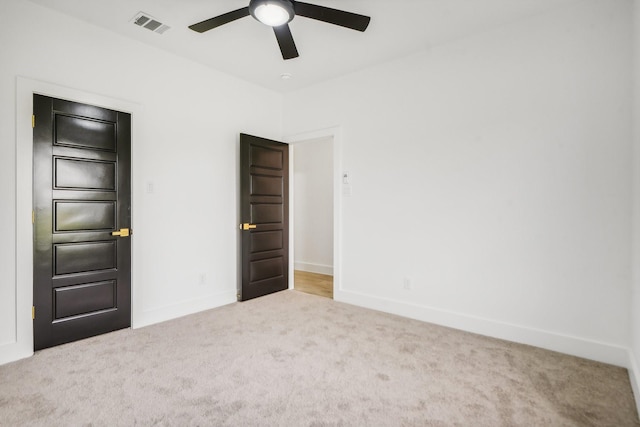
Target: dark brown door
(82,200)
(264,215)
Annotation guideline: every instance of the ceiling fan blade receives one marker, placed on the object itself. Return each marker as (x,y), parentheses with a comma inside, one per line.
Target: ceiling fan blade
(332,16)
(285,40)
(212,23)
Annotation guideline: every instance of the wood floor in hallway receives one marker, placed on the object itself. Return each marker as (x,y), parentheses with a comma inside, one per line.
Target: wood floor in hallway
(313,283)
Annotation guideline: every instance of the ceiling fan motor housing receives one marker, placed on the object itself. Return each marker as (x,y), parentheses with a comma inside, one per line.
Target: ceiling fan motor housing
(258,7)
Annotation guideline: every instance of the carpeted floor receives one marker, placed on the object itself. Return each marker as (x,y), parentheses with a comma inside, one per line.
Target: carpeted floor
(292,359)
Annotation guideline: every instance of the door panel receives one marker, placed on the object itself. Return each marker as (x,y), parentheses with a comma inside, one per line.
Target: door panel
(266,241)
(82,274)
(85,132)
(84,216)
(264,203)
(72,258)
(85,298)
(267,213)
(77,174)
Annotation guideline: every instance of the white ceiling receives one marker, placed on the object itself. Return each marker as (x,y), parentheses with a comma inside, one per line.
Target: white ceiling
(248,49)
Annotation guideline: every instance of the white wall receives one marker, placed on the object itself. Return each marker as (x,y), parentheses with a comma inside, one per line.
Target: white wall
(493,174)
(186,123)
(635,301)
(313,205)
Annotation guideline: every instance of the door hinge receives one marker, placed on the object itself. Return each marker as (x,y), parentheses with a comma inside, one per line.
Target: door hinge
(33,120)
(33,312)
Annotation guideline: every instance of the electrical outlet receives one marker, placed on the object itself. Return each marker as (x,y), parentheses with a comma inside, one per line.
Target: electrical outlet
(406,284)
(203,279)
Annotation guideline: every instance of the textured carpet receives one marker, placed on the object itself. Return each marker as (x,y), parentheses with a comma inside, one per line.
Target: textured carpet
(293,359)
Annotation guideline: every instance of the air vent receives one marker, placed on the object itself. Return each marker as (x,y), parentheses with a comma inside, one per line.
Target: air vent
(150,23)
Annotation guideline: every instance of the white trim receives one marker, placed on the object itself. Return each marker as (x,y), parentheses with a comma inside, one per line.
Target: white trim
(336,134)
(588,349)
(634,377)
(184,308)
(313,267)
(634,369)
(25,88)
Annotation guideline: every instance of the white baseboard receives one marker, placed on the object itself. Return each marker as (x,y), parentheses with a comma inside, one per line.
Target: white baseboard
(634,377)
(575,346)
(10,352)
(314,268)
(183,308)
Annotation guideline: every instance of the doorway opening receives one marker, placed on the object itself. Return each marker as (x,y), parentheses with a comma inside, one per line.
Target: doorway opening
(313,216)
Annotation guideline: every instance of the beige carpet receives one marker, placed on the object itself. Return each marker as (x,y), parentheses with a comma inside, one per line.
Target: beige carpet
(292,359)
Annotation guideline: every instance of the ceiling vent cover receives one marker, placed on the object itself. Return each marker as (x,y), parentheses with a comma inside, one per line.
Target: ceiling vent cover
(150,23)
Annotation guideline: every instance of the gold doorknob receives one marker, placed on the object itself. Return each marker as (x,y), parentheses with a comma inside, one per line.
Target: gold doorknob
(123,232)
(247,226)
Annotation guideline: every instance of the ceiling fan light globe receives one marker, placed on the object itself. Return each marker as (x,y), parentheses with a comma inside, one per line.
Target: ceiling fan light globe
(273,13)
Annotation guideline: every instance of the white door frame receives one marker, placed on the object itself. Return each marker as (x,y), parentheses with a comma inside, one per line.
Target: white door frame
(23,345)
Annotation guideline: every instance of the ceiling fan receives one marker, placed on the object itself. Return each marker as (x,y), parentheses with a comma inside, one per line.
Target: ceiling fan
(278,14)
